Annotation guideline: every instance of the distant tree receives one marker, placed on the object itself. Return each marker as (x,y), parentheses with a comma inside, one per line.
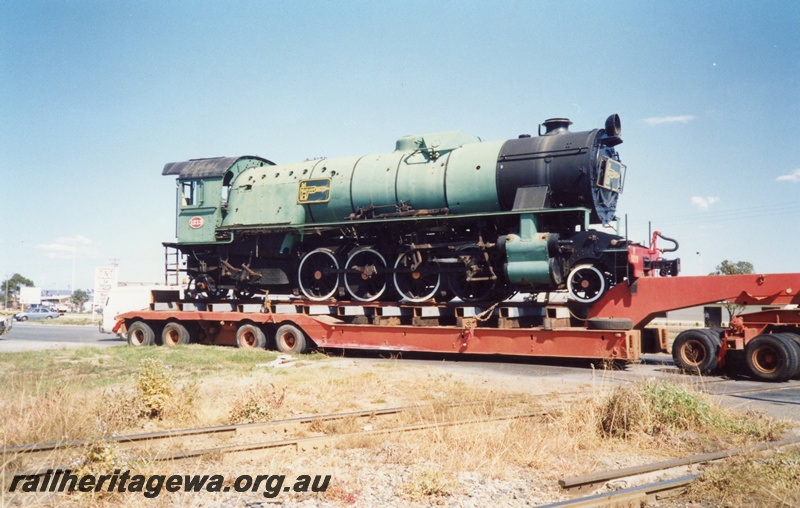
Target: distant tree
(733,268)
(78,298)
(12,286)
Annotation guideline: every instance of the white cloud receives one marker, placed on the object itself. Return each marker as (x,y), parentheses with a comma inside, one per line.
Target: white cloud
(65,247)
(657,120)
(793,177)
(703,203)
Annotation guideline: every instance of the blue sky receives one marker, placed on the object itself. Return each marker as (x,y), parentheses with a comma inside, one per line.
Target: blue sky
(96,96)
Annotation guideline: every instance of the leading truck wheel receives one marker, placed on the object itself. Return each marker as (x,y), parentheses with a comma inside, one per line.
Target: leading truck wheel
(141,334)
(174,334)
(696,352)
(250,337)
(586,283)
(290,339)
(772,357)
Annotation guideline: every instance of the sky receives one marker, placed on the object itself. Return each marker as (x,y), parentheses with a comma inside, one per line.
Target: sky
(96,96)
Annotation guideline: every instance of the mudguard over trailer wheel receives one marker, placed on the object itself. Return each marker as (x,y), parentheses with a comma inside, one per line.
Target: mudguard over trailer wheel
(250,337)
(175,334)
(290,339)
(772,357)
(141,334)
(696,351)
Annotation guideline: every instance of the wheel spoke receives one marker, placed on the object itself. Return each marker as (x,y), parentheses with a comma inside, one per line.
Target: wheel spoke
(464,283)
(365,279)
(317,274)
(415,282)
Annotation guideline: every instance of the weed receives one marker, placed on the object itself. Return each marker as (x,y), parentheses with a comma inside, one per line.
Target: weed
(339,426)
(430,483)
(745,481)
(155,384)
(119,409)
(257,404)
(659,408)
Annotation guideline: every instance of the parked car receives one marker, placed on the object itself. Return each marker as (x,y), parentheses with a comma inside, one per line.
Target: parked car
(5,324)
(37,313)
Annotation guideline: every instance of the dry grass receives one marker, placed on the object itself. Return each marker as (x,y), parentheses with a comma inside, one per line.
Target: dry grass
(752,481)
(258,404)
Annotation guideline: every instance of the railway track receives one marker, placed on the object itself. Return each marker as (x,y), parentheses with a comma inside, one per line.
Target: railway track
(183,444)
(659,489)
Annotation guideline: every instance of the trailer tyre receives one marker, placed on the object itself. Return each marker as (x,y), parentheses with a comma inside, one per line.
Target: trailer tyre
(796,339)
(772,357)
(696,352)
(174,334)
(609,324)
(141,334)
(250,337)
(290,339)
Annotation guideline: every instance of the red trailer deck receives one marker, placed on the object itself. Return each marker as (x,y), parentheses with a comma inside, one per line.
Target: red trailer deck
(613,329)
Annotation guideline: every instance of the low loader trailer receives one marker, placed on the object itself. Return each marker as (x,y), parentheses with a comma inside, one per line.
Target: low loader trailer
(617,327)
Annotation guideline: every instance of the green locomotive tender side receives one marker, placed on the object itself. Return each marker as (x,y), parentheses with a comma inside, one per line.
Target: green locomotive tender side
(442,215)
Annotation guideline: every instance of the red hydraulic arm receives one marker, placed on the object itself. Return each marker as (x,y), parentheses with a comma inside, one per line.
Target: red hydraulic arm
(648,297)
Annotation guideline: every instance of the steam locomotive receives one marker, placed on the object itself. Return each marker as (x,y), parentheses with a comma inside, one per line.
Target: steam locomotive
(444,215)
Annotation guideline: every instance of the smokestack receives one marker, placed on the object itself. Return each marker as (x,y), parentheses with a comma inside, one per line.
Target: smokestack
(555,126)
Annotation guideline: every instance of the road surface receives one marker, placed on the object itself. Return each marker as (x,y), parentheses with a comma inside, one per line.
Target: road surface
(30,336)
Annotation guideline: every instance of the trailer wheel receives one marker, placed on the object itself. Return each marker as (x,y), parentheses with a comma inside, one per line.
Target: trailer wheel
(796,339)
(174,334)
(141,334)
(609,324)
(290,339)
(696,352)
(250,337)
(772,357)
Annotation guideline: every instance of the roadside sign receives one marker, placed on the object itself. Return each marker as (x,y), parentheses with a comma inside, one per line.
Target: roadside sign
(30,296)
(104,280)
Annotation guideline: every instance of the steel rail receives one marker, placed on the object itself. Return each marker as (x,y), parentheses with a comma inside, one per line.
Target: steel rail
(300,420)
(623,496)
(299,443)
(302,443)
(603,476)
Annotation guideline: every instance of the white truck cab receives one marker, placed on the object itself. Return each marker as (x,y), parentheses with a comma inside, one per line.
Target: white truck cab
(126,298)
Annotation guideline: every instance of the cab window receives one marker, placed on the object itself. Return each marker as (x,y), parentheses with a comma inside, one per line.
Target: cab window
(191,193)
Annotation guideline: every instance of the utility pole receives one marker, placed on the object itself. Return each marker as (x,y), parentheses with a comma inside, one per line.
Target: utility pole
(74,253)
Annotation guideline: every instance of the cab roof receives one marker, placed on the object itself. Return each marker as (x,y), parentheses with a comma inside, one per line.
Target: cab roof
(209,168)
